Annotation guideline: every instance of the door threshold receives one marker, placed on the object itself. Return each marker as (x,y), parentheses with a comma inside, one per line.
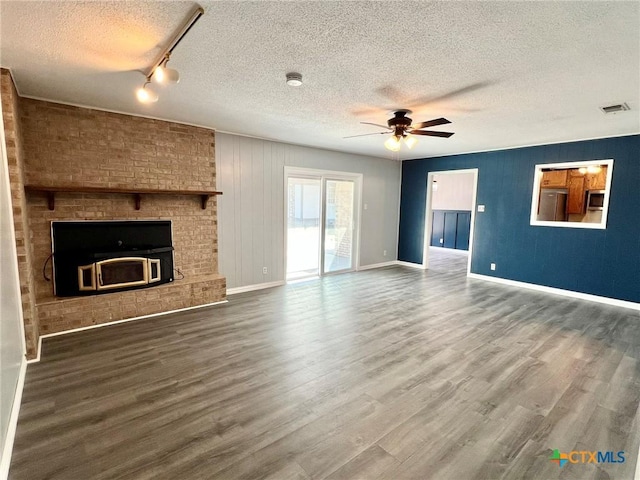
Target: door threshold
(303,279)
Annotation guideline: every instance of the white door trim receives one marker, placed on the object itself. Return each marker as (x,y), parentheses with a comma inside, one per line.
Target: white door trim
(324,175)
(428,216)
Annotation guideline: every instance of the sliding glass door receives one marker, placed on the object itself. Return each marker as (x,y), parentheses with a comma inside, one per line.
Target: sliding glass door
(321,221)
(303,227)
(338,226)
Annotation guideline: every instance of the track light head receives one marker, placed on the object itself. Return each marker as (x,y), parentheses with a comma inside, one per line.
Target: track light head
(164,75)
(146,95)
(159,72)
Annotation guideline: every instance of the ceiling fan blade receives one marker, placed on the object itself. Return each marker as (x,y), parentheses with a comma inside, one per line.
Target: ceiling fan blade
(365,134)
(431,133)
(377,125)
(431,123)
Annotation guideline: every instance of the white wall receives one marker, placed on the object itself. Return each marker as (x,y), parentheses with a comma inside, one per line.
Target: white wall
(250,173)
(12,349)
(455,192)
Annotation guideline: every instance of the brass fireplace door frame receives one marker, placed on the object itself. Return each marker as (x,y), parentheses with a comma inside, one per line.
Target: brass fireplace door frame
(96,273)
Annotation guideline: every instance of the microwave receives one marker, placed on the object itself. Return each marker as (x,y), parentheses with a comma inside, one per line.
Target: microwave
(595,199)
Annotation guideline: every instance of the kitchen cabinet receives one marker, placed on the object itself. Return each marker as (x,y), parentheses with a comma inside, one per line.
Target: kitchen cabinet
(597,181)
(554,179)
(575,200)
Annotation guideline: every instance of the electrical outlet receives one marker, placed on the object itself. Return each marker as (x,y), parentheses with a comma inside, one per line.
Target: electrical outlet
(493,266)
(481,208)
(366,206)
(442,240)
(384,253)
(265,270)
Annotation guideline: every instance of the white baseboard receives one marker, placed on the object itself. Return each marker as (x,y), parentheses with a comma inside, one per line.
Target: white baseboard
(257,286)
(451,250)
(13,423)
(409,264)
(377,265)
(558,291)
(116,322)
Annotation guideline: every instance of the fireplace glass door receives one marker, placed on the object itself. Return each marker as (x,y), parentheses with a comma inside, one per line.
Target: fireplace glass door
(122,272)
(118,273)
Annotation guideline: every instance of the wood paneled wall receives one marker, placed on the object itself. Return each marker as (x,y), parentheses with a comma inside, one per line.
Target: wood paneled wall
(251,211)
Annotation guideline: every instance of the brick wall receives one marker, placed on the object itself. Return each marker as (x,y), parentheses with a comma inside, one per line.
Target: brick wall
(195,255)
(72,146)
(67,145)
(15,158)
(60,315)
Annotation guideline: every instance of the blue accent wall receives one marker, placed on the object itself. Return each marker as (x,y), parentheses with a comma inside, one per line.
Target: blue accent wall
(597,262)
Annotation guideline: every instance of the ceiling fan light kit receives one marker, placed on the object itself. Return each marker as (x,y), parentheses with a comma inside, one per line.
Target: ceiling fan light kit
(159,72)
(410,141)
(393,144)
(402,130)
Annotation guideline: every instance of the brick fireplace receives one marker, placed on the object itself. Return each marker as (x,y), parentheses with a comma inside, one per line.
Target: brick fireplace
(57,145)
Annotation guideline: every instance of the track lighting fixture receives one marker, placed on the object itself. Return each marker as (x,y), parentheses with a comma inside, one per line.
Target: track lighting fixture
(159,72)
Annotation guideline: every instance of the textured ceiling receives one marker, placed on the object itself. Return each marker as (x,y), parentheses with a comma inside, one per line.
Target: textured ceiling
(506,73)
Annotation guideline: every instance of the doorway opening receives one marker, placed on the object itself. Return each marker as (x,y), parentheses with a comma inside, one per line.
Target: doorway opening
(450,219)
(322,222)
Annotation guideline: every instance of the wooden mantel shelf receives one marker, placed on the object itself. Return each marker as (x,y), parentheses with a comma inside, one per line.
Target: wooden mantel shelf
(136,192)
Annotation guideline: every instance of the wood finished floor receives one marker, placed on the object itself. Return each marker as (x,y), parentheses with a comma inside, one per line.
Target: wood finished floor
(393,373)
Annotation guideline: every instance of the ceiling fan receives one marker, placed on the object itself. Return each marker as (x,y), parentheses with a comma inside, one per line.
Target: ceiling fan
(402,130)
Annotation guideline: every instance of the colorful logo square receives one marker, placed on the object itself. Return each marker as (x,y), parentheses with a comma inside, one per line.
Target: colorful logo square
(559,458)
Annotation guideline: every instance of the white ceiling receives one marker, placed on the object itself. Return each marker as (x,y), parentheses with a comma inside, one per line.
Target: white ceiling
(505,73)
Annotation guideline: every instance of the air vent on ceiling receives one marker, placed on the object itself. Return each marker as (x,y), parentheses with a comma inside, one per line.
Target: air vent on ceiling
(621,107)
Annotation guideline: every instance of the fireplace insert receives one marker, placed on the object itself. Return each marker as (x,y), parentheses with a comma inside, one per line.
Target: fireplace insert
(91,258)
